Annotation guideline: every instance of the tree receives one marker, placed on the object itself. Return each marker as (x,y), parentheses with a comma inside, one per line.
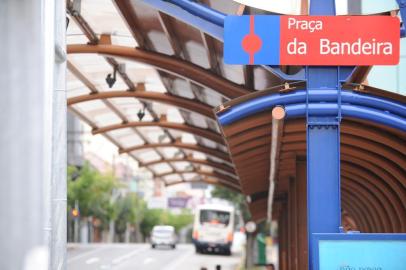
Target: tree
(93,192)
(237,199)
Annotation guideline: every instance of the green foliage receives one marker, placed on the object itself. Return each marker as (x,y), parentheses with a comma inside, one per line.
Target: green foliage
(93,192)
(130,209)
(234,197)
(164,217)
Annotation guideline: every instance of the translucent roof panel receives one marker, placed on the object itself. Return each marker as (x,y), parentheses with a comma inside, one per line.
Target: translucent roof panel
(147,155)
(140,73)
(283,7)
(173,115)
(212,98)
(170,152)
(197,54)
(172,178)
(104,18)
(198,120)
(126,137)
(188,138)
(189,176)
(154,134)
(195,154)
(208,143)
(74,86)
(73,34)
(160,42)
(182,88)
(181,166)
(97,111)
(161,108)
(161,168)
(365,6)
(232,72)
(206,168)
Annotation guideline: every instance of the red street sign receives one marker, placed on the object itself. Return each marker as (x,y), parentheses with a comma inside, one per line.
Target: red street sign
(312,40)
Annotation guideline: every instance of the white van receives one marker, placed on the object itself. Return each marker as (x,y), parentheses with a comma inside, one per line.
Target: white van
(163,236)
(213,228)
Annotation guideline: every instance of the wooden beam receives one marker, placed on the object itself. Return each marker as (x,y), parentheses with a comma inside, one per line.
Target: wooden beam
(176,101)
(169,64)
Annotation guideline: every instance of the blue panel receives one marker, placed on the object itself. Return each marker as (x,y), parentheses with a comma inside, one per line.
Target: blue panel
(270,35)
(235,28)
(358,251)
(362,254)
(266,27)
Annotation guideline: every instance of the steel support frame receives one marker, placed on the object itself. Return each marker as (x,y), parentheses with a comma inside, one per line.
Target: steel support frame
(323,150)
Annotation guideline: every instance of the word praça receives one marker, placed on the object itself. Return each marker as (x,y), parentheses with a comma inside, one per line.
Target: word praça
(311,25)
(359,47)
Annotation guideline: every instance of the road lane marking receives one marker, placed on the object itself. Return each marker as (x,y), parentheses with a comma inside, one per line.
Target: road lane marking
(174,265)
(92,260)
(148,260)
(82,255)
(128,255)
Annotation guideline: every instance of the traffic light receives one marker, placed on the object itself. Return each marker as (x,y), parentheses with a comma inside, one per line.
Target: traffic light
(75,213)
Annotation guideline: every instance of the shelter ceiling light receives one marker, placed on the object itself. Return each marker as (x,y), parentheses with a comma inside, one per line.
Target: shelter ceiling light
(111,79)
(141,114)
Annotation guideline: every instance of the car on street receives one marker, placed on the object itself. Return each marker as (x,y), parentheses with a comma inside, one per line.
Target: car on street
(163,235)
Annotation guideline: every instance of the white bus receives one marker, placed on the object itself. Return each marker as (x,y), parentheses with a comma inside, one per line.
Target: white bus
(213,228)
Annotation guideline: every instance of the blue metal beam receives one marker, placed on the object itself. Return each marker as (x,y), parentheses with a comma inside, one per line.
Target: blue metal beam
(194,14)
(323,149)
(363,106)
(402,8)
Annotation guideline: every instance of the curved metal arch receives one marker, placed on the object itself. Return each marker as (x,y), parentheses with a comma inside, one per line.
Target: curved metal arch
(376,185)
(200,172)
(375,188)
(166,63)
(216,165)
(217,182)
(381,212)
(202,132)
(188,104)
(359,219)
(193,147)
(372,172)
(366,107)
(369,214)
(377,210)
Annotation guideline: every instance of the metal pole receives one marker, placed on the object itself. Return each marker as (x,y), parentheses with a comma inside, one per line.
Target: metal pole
(323,149)
(24,109)
(59,143)
(249,252)
(76,225)
(48,21)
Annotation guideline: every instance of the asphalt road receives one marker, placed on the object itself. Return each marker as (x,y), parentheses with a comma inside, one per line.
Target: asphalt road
(142,257)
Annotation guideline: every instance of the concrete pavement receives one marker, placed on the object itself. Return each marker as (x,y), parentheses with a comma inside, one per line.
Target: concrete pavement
(142,257)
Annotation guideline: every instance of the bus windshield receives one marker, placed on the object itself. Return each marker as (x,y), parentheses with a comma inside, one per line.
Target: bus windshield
(214,217)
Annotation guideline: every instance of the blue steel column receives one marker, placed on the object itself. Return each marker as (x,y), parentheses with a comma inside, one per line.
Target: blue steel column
(323,150)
